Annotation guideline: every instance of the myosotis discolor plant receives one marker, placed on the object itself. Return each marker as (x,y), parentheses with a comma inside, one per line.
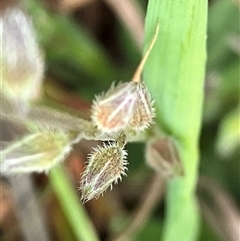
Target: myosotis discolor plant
(122,112)
(176,67)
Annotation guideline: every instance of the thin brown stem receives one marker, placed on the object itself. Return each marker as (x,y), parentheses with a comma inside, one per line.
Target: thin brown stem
(137,75)
(71,5)
(131,16)
(149,201)
(219,209)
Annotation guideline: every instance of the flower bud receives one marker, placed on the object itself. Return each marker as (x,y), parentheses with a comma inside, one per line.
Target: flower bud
(105,167)
(162,156)
(112,111)
(21,60)
(143,113)
(36,152)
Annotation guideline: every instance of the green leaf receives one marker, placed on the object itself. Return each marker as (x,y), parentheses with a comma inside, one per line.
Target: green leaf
(174,74)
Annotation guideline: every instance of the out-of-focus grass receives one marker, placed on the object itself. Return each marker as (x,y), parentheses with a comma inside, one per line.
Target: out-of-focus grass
(222,98)
(219,29)
(71,53)
(222,87)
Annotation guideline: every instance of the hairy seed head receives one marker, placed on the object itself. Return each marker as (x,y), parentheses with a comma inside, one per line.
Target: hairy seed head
(106,165)
(112,111)
(21,59)
(37,152)
(143,113)
(162,156)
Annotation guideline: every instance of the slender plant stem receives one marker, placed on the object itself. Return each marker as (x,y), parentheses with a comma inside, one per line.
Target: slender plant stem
(32,221)
(174,74)
(137,75)
(144,209)
(130,15)
(71,205)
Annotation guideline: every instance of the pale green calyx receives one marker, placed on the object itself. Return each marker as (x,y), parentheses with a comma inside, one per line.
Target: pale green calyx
(106,165)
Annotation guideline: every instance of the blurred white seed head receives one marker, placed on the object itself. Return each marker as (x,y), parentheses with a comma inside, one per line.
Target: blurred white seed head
(112,111)
(143,113)
(21,60)
(37,152)
(105,167)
